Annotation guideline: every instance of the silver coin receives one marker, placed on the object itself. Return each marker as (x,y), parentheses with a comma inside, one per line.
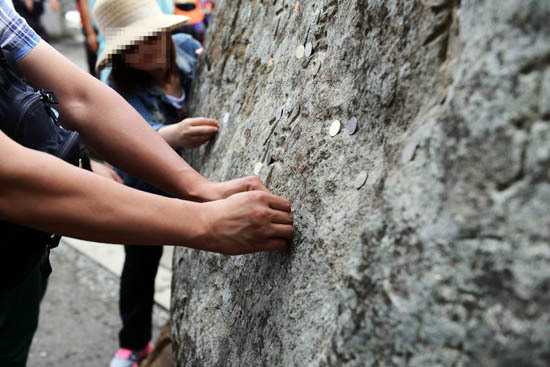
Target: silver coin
(300,50)
(279,113)
(352,126)
(226,118)
(334,128)
(308,49)
(268,159)
(316,67)
(360,179)
(258,168)
(410,149)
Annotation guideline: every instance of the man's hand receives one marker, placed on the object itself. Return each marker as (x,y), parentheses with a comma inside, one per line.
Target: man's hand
(205,190)
(189,133)
(248,222)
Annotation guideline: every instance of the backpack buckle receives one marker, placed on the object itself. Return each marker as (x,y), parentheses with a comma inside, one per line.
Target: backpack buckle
(48,96)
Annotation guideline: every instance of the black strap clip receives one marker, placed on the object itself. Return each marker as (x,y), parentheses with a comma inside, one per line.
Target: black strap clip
(45,265)
(48,96)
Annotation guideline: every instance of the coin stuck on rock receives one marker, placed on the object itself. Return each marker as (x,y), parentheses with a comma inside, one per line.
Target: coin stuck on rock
(316,68)
(361,179)
(352,126)
(226,118)
(308,49)
(279,113)
(300,50)
(334,128)
(258,168)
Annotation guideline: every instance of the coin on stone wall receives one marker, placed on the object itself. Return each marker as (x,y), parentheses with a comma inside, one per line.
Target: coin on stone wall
(226,118)
(308,49)
(352,126)
(300,50)
(279,113)
(317,68)
(334,128)
(258,168)
(361,179)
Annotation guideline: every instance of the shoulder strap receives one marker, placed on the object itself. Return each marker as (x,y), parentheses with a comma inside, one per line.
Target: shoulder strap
(13,88)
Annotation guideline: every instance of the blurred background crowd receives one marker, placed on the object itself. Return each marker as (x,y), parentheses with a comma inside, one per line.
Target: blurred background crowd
(68,18)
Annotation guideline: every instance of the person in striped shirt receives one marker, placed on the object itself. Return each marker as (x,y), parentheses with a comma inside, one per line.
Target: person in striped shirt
(43,192)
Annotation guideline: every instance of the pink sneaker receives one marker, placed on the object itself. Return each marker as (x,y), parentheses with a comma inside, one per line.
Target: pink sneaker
(130,358)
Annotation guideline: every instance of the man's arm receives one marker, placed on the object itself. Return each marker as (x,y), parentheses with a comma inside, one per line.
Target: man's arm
(117,132)
(46,193)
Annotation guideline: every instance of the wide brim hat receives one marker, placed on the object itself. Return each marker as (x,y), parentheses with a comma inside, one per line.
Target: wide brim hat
(125,23)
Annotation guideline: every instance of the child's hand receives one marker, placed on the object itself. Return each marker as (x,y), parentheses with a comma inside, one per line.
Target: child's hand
(105,171)
(190,133)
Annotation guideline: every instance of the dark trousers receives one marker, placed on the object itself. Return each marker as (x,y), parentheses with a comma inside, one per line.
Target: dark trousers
(19,309)
(137,290)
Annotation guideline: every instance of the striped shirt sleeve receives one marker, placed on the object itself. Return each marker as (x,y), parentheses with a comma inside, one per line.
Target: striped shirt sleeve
(16,35)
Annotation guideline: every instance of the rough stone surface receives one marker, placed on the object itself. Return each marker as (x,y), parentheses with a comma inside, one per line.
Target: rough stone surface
(442,258)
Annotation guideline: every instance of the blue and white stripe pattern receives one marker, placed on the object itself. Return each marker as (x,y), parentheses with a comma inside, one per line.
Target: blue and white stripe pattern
(15,34)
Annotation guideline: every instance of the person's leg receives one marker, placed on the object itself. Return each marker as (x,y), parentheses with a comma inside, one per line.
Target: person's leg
(137,289)
(19,309)
(91,56)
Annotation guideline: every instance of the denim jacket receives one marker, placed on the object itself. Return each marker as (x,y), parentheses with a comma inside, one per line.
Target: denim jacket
(153,105)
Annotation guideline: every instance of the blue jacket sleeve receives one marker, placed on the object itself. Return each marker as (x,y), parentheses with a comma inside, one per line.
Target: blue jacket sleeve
(138,105)
(186,58)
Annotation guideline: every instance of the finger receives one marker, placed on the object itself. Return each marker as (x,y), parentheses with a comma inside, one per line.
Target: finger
(197,142)
(283,231)
(281,217)
(198,138)
(192,145)
(197,121)
(202,130)
(116,177)
(254,183)
(279,203)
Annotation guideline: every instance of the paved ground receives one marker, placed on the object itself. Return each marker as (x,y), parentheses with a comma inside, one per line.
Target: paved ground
(79,320)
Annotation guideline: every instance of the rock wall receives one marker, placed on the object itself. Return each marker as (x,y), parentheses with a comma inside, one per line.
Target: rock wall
(440,255)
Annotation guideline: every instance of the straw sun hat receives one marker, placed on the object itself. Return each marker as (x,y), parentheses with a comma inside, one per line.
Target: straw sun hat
(124,23)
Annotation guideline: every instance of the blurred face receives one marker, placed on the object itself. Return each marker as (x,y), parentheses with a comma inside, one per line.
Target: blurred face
(148,55)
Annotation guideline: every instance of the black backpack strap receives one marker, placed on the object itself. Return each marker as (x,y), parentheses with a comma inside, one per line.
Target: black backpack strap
(27,118)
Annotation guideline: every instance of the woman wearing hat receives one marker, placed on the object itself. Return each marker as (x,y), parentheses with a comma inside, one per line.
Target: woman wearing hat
(152,70)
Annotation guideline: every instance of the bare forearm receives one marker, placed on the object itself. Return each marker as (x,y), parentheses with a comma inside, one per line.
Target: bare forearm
(46,193)
(110,125)
(131,143)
